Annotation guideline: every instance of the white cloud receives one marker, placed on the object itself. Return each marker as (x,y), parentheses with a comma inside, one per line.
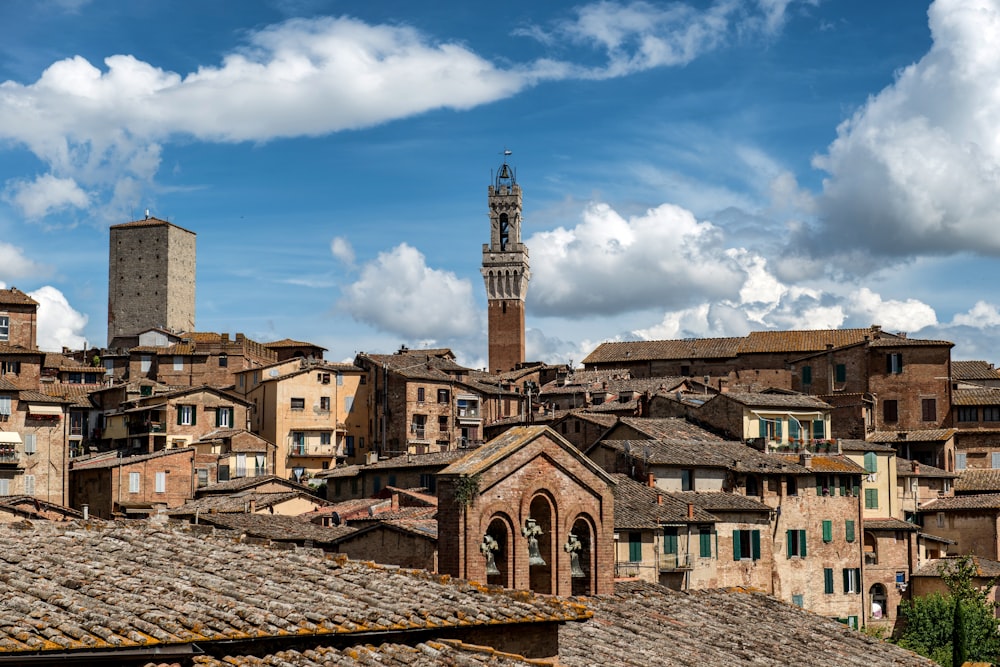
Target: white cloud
(609,264)
(59,325)
(916,170)
(44,195)
(894,315)
(14,264)
(397,292)
(980,316)
(341,249)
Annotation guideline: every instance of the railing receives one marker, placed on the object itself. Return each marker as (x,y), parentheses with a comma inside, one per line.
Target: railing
(820,446)
(625,569)
(668,562)
(9,456)
(298,449)
(468,443)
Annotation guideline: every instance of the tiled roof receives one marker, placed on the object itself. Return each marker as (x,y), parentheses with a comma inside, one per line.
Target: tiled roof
(829,464)
(890,524)
(644,624)
(978,501)
(647,350)
(670,428)
(977,480)
(17,349)
(984,567)
(29,505)
(973,370)
(431,653)
(764,400)
(244,483)
(64,363)
(275,527)
(815,340)
(432,459)
(68,587)
(924,435)
(978,396)
(427,528)
(38,397)
(288,342)
(7,385)
(149,222)
(15,297)
(904,468)
(240,502)
(111,460)
(910,342)
(615,407)
(707,454)
(864,446)
(718,501)
(638,506)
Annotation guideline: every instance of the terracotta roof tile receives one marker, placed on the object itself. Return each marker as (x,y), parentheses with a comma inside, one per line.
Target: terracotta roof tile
(848,445)
(910,342)
(276,527)
(726,454)
(15,297)
(647,350)
(239,503)
(801,341)
(973,370)
(974,480)
(148,222)
(644,624)
(424,654)
(984,567)
(638,506)
(718,501)
(904,468)
(288,342)
(765,400)
(890,524)
(670,428)
(979,396)
(924,435)
(978,501)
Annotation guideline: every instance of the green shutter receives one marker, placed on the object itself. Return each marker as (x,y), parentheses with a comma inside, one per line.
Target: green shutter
(847,580)
(705,541)
(194,415)
(762,423)
(819,484)
(736,545)
(755,544)
(788,543)
(827,530)
(871,462)
(802,543)
(777,429)
(828,580)
(218,417)
(849,530)
(670,540)
(857,578)
(843,485)
(856,485)
(179,408)
(819,429)
(871,499)
(635,547)
(793,429)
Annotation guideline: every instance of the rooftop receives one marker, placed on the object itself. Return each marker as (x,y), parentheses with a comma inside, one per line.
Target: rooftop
(977,480)
(973,370)
(638,506)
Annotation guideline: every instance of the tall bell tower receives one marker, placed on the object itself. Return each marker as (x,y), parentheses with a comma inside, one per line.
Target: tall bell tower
(505,272)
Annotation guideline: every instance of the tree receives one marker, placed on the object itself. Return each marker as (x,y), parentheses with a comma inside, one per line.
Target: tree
(952,629)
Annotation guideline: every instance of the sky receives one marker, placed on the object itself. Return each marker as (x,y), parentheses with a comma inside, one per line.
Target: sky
(695,168)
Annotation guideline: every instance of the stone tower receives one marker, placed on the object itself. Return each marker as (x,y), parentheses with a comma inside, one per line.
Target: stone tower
(505,272)
(151,279)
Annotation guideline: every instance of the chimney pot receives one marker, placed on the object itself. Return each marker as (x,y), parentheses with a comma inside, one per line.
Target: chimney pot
(659,498)
(650,480)
(916,467)
(690,510)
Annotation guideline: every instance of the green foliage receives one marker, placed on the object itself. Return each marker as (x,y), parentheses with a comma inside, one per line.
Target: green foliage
(466,489)
(955,628)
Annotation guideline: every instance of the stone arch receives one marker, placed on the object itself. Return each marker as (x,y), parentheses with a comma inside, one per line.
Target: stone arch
(869,547)
(880,602)
(584,528)
(501,529)
(543,509)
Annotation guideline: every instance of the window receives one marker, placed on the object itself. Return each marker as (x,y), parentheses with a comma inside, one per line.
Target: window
(840,373)
(966,413)
(798,600)
(828,580)
(4,327)
(819,429)
(4,405)
(30,443)
(871,462)
(442,423)
(178,362)
(202,476)
(991,413)
(259,465)
(849,530)
(391,480)
(960,460)
(349,445)
(133,482)
(298,404)
(323,378)
(752,487)
(687,480)
(29,484)
(376,484)
(10,367)
(795,543)
(109,366)
(186,415)
(827,530)
(145,363)
(363,379)
(894,363)
(793,428)
(807,375)
(325,438)
(852,579)
(443,396)
(223,361)
(635,547)
(4,486)
(348,403)
(420,394)
(705,541)
(928,409)
(76,378)
(824,485)
(340,379)
(871,499)
(770,428)
(890,411)
(224,417)
(429,482)
(298,443)
(746,545)
(241,465)
(324,403)
(670,541)
(161,482)
(791,486)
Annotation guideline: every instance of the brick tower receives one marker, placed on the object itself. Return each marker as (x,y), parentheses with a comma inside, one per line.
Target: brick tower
(151,279)
(505,272)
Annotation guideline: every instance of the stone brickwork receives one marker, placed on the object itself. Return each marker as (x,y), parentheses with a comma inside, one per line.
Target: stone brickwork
(384,544)
(18,319)
(36,466)
(107,484)
(151,278)
(923,377)
(505,319)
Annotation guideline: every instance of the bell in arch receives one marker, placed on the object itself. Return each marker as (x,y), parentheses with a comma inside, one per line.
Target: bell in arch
(488,548)
(573,547)
(532,530)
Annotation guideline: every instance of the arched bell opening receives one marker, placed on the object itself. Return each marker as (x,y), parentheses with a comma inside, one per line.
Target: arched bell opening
(540,536)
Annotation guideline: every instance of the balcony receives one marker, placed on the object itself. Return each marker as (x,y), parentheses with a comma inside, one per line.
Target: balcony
(672,562)
(9,456)
(819,446)
(626,569)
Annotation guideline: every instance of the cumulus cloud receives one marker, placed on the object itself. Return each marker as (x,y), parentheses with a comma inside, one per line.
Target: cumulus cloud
(610,264)
(341,249)
(908,315)
(45,194)
(14,264)
(916,170)
(398,293)
(980,316)
(59,325)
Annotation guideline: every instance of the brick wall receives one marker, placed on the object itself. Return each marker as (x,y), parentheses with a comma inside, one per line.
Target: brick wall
(506,334)
(386,545)
(23,324)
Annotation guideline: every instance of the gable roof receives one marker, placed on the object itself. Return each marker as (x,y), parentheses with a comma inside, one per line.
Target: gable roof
(649,350)
(904,468)
(973,370)
(111,459)
(642,507)
(512,440)
(670,429)
(275,527)
(247,483)
(773,400)
(984,567)
(918,435)
(15,297)
(720,501)
(802,341)
(977,501)
(726,454)
(976,480)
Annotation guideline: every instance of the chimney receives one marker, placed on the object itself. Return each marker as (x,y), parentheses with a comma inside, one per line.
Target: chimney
(659,498)
(650,480)
(690,510)
(252,506)
(916,467)
(395,501)
(806,459)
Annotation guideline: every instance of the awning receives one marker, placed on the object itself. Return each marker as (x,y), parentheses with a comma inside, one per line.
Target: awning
(45,410)
(10,438)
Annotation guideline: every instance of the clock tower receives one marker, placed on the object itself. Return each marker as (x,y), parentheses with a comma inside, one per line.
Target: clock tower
(505,272)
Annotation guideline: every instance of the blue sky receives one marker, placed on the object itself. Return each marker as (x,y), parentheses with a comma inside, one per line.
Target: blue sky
(698,168)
